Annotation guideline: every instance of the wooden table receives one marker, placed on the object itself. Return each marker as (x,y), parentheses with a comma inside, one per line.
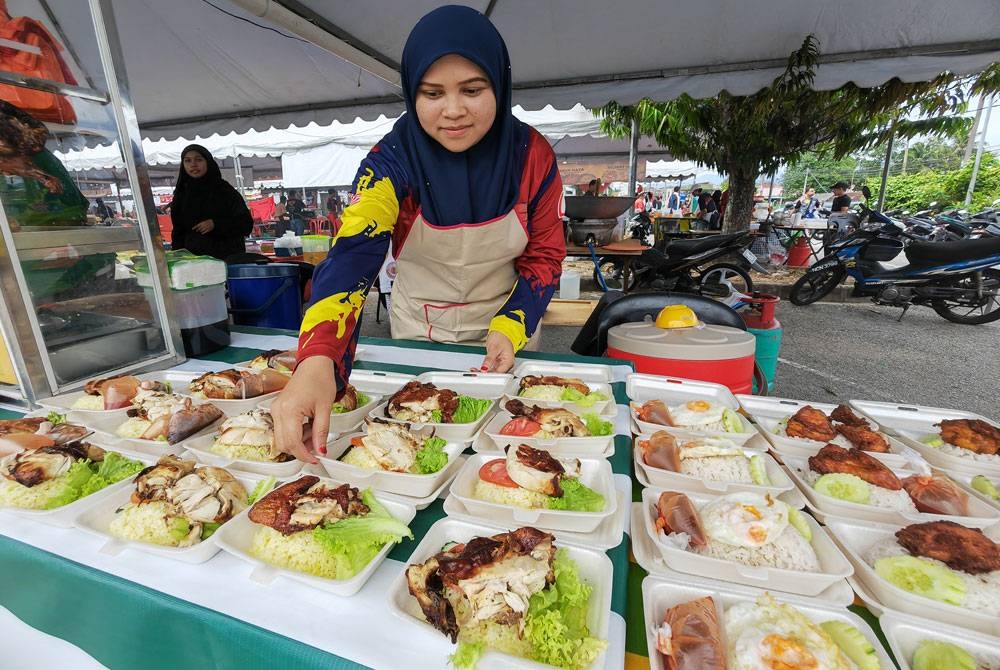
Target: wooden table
(628,250)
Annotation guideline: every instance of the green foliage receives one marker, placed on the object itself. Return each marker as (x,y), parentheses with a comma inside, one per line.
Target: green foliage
(914,192)
(824,171)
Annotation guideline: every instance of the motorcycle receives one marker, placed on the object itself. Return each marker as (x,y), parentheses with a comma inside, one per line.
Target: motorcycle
(957,279)
(688,266)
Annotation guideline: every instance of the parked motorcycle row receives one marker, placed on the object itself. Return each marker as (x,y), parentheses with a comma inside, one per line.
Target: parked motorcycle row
(950,226)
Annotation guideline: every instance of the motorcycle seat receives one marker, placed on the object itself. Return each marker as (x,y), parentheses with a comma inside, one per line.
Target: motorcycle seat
(930,253)
(678,248)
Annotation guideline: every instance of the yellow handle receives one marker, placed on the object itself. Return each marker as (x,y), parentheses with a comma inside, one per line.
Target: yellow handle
(676,316)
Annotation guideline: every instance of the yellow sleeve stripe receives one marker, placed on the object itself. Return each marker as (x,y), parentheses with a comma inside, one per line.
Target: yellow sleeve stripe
(513,329)
(336,308)
(375,212)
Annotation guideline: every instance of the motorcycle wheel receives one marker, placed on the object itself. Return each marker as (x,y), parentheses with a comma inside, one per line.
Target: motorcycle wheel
(812,286)
(617,276)
(714,278)
(986,312)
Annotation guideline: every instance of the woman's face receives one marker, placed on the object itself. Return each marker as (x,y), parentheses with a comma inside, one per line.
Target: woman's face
(455,103)
(810,193)
(195,164)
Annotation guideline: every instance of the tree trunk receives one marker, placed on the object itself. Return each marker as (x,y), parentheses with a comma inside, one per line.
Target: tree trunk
(739,211)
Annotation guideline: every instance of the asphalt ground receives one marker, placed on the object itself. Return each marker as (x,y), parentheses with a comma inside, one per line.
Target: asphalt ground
(833,352)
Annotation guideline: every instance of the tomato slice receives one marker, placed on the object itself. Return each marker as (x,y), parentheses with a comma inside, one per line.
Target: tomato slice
(495,472)
(521,427)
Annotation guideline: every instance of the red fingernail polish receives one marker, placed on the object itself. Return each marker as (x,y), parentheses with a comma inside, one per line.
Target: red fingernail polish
(484,368)
(322,450)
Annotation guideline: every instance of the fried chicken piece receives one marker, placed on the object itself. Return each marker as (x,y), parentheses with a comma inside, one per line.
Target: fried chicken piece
(958,547)
(864,438)
(811,424)
(973,434)
(846,415)
(833,459)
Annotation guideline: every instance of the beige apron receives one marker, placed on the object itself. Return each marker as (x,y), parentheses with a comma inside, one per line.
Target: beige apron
(451,281)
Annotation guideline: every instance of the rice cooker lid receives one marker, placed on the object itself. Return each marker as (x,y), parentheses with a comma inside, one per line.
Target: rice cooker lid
(707,342)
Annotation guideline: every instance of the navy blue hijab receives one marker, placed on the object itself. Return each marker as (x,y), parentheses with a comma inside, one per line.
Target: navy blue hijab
(483,182)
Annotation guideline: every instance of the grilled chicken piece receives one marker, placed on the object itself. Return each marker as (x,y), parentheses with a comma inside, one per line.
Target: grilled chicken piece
(22,425)
(238,384)
(675,513)
(306,503)
(179,420)
(958,547)
(251,429)
(846,415)
(348,398)
(973,434)
(276,359)
(661,451)
(655,411)
(494,576)
(537,470)
(208,495)
(864,438)
(556,422)
(415,402)
(936,494)
(37,466)
(391,444)
(834,459)
(811,424)
(153,482)
(550,380)
(690,637)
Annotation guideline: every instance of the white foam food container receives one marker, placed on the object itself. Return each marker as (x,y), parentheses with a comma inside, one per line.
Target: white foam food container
(346,421)
(857,537)
(96,519)
(767,413)
(588,372)
(236,537)
(453,432)
(400,483)
(981,514)
(965,481)
(839,594)
(677,481)
(485,444)
(64,516)
(475,384)
(234,407)
(659,595)
(592,447)
(376,382)
(905,633)
(11,448)
(594,473)
(200,449)
(791,497)
(596,377)
(105,428)
(912,422)
(833,565)
(63,403)
(594,566)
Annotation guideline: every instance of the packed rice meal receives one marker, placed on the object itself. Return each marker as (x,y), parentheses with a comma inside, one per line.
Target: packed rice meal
(114,392)
(693,415)
(534,479)
(276,359)
(426,403)
(843,427)
(33,432)
(943,561)
(972,439)
(329,531)
(707,458)
(747,528)
(560,389)
(236,384)
(759,634)
(941,655)
(392,447)
(166,417)
(50,476)
(513,592)
(854,476)
(552,422)
(178,504)
(348,400)
(249,436)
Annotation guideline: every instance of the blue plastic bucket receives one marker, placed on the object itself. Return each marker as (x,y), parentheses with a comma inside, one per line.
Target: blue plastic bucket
(265,295)
(767,350)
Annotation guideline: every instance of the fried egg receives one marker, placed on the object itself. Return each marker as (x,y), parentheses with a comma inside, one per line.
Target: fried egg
(696,413)
(768,635)
(708,447)
(744,519)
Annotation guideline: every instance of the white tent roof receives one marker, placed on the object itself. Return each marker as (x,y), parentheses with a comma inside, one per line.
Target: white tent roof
(195,69)
(672,169)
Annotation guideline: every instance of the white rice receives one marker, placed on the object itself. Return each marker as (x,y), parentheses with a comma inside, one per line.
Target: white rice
(899,501)
(134,427)
(144,523)
(299,551)
(982,592)
(89,402)
(504,495)
(718,469)
(952,450)
(361,458)
(790,551)
(243,451)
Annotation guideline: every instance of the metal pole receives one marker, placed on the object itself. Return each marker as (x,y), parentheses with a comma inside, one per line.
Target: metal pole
(805,182)
(972,135)
(885,170)
(906,154)
(633,156)
(979,152)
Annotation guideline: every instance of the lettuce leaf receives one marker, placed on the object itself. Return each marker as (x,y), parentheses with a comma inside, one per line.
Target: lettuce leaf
(436,416)
(71,484)
(263,487)
(556,621)
(466,655)
(470,409)
(208,529)
(55,418)
(597,426)
(337,408)
(577,497)
(113,468)
(431,457)
(360,538)
(582,399)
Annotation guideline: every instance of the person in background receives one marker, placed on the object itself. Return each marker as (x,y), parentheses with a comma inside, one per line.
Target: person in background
(708,211)
(210,217)
(470,198)
(294,208)
(102,211)
(674,202)
(808,204)
(695,200)
(281,209)
(717,199)
(593,187)
(841,201)
(333,204)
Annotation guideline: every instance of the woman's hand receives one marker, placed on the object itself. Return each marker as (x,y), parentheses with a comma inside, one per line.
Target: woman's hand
(309,395)
(205,227)
(499,353)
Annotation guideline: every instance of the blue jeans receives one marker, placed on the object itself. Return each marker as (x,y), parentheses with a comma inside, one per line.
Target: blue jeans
(297,226)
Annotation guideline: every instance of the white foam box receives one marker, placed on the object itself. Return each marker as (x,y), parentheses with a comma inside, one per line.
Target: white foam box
(578,446)
(596,377)
(905,633)
(106,426)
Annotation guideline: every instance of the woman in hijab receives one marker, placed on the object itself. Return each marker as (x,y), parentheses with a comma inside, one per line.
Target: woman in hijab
(210,217)
(470,198)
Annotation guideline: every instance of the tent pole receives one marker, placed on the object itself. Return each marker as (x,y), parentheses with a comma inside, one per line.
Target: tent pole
(633,157)
(885,169)
(979,152)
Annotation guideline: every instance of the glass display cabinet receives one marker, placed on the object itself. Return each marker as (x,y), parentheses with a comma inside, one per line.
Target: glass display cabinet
(71,307)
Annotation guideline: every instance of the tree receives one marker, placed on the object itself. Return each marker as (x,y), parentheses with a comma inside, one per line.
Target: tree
(746,136)
(823,172)
(916,191)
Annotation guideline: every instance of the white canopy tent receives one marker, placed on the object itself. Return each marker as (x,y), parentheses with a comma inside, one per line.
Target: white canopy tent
(194,69)
(672,170)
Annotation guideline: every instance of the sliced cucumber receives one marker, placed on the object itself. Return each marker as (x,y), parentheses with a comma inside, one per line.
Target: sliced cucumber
(933,440)
(854,645)
(799,523)
(920,576)
(758,471)
(844,487)
(937,655)
(986,487)
(731,421)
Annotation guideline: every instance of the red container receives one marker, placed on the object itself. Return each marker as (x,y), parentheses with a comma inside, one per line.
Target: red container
(710,353)
(798,255)
(760,311)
